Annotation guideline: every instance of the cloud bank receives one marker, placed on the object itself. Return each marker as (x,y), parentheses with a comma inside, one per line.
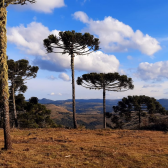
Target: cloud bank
(117,36)
(152,71)
(64,77)
(30,41)
(46,6)
(152,85)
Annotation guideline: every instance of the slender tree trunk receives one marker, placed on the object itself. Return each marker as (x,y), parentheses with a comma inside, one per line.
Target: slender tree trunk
(104,106)
(73,92)
(139,119)
(4,77)
(14,106)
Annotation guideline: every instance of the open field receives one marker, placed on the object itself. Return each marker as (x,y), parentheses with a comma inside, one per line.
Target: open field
(69,148)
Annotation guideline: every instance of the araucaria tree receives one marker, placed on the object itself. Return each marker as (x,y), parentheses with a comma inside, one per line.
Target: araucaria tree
(4,68)
(141,105)
(18,72)
(106,81)
(73,44)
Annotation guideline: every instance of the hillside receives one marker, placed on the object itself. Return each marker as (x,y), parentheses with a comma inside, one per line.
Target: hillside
(90,119)
(91,105)
(62,116)
(83,105)
(64,148)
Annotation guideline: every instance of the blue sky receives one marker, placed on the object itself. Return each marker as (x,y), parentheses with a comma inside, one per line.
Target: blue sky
(133,38)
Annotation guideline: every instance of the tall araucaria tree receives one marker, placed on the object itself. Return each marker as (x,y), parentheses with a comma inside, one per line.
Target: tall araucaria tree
(106,81)
(18,72)
(4,68)
(73,44)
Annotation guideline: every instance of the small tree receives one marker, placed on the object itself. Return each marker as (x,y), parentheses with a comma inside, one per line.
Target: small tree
(4,67)
(140,105)
(18,72)
(73,44)
(109,82)
(35,115)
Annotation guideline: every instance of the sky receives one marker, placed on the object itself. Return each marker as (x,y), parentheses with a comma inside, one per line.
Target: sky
(133,38)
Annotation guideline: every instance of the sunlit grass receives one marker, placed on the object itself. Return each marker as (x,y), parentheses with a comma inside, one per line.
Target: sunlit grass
(59,147)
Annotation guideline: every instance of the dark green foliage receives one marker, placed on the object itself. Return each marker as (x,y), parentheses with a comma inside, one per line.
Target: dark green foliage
(157,125)
(108,115)
(31,114)
(35,115)
(33,100)
(112,81)
(21,68)
(8,2)
(20,102)
(143,106)
(18,72)
(73,43)
(116,120)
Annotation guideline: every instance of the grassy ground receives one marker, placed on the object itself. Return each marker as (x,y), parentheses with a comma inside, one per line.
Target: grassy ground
(59,147)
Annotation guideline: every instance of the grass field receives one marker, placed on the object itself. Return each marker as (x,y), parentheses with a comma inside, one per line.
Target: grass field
(69,148)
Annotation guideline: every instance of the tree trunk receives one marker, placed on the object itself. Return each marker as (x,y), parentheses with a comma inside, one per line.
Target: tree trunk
(73,92)
(14,105)
(139,119)
(4,77)
(104,106)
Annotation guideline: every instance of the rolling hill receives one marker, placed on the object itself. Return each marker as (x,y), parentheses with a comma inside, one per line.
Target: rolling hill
(91,105)
(88,112)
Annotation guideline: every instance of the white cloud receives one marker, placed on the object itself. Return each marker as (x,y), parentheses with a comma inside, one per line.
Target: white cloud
(129,57)
(117,36)
(28,38)
(154,90)
(30,41)
(46,6)
(153,85)
(152,71)
(64,77)
(81,16)
(53,94)
(52,77)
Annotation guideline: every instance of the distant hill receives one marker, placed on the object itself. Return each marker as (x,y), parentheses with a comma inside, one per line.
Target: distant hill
(91,105)
(88,111)
(61,116)
(84,105)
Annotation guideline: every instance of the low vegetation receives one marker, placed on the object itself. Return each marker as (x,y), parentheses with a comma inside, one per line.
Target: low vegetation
(59,147)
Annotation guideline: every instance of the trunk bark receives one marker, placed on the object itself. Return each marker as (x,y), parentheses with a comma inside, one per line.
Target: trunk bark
(104,106)
(139,119)
(4,77)
(14,106)
(73,92)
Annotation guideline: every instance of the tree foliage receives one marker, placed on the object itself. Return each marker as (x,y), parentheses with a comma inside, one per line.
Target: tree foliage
(18,72)
(6,3)
(72,43)
(106,81)
(35,115)
(143,106)
(111,81)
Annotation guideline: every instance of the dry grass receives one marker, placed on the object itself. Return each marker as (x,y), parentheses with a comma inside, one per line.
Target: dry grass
(58,147)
